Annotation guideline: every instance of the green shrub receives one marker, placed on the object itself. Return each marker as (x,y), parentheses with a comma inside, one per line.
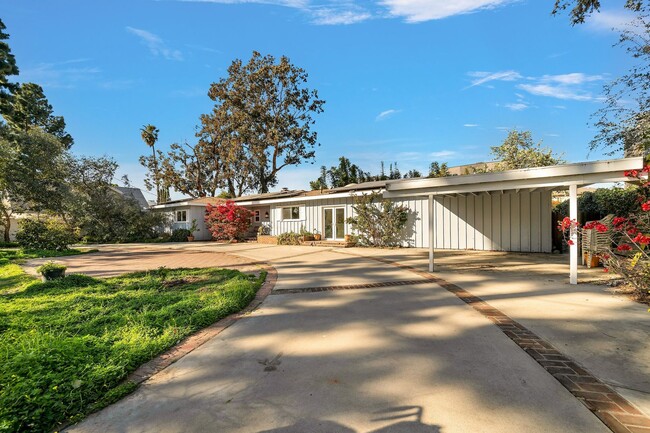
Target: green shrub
(378,224)
(9,244)
(52,271)
(289,238)
(180,235)
(46,234)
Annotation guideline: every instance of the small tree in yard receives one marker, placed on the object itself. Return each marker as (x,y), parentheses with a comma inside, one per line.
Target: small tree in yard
(378,224)
(228,221)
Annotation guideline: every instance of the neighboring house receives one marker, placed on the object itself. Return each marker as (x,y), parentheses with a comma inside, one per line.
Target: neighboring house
(132,193)
(504,211)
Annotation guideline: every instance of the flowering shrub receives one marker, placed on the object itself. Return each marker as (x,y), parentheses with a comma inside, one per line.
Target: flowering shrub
(227,221)
(626,252)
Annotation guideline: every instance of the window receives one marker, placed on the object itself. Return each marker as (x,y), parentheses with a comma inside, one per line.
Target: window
(181,216)
(257,216)
(291,213)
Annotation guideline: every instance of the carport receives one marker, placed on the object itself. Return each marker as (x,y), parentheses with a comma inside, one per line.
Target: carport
(519,184)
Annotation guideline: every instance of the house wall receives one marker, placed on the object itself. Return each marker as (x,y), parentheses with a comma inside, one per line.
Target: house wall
(509,221)
(193,212)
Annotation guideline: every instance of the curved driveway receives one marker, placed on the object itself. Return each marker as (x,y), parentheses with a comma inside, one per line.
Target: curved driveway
(403,358)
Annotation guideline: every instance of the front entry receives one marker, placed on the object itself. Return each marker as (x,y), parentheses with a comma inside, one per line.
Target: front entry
(335,223)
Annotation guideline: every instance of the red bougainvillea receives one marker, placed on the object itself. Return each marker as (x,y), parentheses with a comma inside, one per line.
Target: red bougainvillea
(627,251)
(227,221)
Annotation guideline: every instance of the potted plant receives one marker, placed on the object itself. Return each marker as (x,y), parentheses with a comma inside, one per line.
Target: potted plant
(306,236)
(317,236)
(193,228)
(52,271)
(348,238)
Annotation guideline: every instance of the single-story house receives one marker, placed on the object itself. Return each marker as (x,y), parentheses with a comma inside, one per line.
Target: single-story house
(502,211)
(183,212)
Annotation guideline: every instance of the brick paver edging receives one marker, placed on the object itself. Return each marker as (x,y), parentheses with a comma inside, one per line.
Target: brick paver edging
(196,340)
(352,286)
(608,405)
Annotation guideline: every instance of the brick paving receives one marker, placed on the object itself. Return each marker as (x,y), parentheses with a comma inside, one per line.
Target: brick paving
(618,414)
(352,286)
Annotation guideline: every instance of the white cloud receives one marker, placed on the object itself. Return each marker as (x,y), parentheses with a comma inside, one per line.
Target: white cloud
(608,20)
(414,11)
(517,106)
(65,74)
(334,16)
(558,91)
(480,78)
(572,78)
(470,125)
(156,45)
(386,114)
(324,13)
(449,154)
(335,12)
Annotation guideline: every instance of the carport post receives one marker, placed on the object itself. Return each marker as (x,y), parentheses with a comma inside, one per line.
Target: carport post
(573,235)
(431,231)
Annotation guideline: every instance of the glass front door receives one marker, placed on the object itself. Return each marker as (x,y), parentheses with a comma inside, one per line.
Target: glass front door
(335,223)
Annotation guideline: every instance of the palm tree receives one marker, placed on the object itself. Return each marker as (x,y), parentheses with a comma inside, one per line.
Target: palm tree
(149,134)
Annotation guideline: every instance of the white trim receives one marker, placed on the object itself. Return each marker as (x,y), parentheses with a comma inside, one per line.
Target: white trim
(582,172)
(345,223)
(308,198)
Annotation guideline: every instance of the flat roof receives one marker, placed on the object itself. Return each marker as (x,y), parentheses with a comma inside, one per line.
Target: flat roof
(550,177)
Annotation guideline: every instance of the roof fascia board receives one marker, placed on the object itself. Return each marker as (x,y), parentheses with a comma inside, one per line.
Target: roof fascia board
(309,197)
(603,168)
(515,185)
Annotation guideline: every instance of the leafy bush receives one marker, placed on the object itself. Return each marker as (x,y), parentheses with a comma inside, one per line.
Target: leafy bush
(228,221)
(378,224)
(289,238)
(9,244)
(179,235)
(602,202)
(48,234)
(627,251)
(52,271)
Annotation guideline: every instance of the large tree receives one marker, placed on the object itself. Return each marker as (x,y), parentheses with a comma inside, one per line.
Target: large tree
(29,108)
(193,170)
(519,150)
(267,107)
(623,123)
(33,169)
(7,69)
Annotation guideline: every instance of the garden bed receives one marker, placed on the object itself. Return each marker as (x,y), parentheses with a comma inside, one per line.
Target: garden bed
(67,346)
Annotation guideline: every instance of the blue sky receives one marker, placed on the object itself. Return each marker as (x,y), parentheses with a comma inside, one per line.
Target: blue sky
(410,81)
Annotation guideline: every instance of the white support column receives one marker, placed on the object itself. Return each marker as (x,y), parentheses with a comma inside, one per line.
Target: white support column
(573,235)
(431,233)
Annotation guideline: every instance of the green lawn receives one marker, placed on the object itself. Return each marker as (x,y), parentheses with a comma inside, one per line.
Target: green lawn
(67,346)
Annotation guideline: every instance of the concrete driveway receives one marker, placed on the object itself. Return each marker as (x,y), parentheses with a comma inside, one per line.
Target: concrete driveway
(406,357)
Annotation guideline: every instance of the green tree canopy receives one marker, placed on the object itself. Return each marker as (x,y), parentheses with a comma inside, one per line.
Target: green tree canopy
(8,68)
(29,108)
(266,113)
(519,150)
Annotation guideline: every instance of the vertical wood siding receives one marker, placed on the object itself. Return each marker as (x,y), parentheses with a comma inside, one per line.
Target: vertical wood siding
(508,221)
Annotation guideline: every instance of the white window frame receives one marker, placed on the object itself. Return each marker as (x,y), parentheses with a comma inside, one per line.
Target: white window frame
(290,213)
(184,213)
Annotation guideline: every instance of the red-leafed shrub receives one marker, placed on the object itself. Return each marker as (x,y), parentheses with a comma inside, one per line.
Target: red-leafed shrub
(227,221)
